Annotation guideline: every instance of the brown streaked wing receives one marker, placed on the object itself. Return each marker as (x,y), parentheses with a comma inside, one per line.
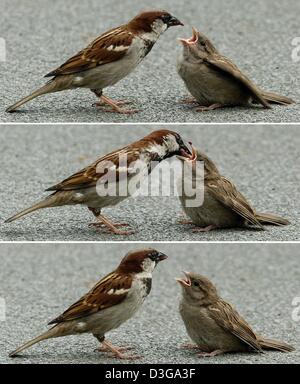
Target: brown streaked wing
(226,65)
(89,176)
(97,298)
(227,194)
(230,320)
(96,53)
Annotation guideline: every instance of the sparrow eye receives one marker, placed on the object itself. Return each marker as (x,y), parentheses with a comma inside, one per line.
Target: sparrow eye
(166,18)
(153,256)
(196,284)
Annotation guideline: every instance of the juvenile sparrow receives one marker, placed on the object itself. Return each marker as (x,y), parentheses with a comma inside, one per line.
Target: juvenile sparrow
(223,205)
(215,82)
(107,181)
(112,301)
(214,325)
(108,59)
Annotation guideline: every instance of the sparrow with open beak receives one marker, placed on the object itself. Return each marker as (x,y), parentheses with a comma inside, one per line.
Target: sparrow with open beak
(222,206)
(215,82)
(112,301)
(214,325)
(108,59)
(103,183)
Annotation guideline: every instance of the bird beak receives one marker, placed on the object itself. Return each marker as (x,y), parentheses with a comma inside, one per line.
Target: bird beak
(185,282)
(174,21)
(161,257)
(192,40)
(188,155)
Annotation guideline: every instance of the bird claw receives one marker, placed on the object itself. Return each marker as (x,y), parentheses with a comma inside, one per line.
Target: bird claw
(117,352)
(209,108)
(125,349)
(114,229)
(118,103)
(206,229)
(104,349)
(96,225)
(114,106)
(211,354)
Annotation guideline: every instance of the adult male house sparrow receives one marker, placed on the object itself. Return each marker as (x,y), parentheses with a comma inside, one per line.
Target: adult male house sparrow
(115,170)
(214,325)
(112,301)
(215,82)
(223,205)
(108,59)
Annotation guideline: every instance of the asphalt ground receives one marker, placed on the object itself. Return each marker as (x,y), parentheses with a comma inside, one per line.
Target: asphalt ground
(39,281)
(256,35)
(262,161)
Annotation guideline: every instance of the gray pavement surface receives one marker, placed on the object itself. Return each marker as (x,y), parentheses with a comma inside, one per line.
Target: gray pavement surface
(40,281)
(262,161)
(256,35)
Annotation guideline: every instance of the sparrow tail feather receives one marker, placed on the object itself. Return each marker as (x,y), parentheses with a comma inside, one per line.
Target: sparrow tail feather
(55,85)
(53,332)
(270,344)
(275,98)
(269,218)
(50,201)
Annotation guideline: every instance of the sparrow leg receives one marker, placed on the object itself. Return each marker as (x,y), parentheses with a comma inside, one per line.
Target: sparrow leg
(119,103)
(112,228)
(115,106)
(117,352)
(104,100)
(105,349)
(210,108)
(103,221)
(211,354)
(206,229)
